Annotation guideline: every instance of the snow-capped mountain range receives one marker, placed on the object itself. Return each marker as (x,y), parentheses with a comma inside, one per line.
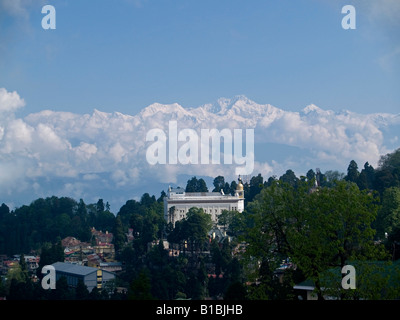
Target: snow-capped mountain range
(103,155)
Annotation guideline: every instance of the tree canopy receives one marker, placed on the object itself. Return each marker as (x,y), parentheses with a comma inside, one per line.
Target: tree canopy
(317,223)
(316,230)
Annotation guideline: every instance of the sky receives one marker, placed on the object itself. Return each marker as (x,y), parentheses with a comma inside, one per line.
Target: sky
(74,101)
(125,55)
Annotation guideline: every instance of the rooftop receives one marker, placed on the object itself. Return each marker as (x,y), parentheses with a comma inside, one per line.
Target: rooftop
(73,268)
(181,194)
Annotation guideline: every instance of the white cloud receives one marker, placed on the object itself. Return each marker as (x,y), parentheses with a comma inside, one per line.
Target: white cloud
(117,152)
(119,177)
(17,137)
(49,138)
(387,11)
(16,8)
(10,101)
(83,153)
(90,177)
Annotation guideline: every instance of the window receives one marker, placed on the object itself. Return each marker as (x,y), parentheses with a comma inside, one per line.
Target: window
(99,278)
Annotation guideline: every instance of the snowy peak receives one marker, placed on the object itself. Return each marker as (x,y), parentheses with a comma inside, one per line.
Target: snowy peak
(240,106)
(223,105)
(312,109)
(161,108)
(245,111)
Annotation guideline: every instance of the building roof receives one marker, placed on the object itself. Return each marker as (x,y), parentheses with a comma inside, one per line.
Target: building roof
(70,242)
(180,194)
(73,268)
(110,264)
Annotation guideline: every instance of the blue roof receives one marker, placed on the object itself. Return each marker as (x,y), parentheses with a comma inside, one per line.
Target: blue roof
(73,268)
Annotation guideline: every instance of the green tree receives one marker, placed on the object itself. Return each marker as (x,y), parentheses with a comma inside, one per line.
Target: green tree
(49,254)
(95,294)
(100,206)
(81,291)
(147,200)
(290,178)
(196,185)
(390,161)
(119,236)
(3,290)
(235,291)
(388,218)
(197,225)
(140,288)
(310,175)
(338,229)
(352,172)
(219,184)
(4,210)
(256,184)
(231,222)
(62,292)
(317,230)
(388,172)
(332,177)
(99,217)
(192,230)
(233,187)
(366,178)
(24,268)
(19,285)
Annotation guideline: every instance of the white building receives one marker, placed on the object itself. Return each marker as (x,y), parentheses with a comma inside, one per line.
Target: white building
(178,202)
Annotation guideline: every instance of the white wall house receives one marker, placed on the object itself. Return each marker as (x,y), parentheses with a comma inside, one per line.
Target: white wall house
(178,202)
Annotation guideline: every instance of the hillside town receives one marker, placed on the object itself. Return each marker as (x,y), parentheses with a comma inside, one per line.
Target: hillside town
(251,239)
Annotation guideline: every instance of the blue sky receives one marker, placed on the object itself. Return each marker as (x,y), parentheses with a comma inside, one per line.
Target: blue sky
(124,55)
(119,57)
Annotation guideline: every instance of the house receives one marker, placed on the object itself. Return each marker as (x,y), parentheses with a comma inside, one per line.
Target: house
(104,246)
(101,237)
(91,277)
(216,233)
(177,203)
(93,260)
(71,243)
(32,262)
(308,288)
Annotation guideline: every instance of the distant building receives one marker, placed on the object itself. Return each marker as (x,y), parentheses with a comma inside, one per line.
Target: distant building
(71,243)
(111,266)
(178,202)
(32,262)
(91,277)
(102,238)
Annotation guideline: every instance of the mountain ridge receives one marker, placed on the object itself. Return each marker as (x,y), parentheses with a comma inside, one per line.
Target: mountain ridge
(245,108)
(58,151)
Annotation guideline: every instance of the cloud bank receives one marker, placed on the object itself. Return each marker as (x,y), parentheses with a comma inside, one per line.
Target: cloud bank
(103,155)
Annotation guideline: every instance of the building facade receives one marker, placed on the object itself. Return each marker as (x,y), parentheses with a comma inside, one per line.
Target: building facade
(91,277)
(178,202)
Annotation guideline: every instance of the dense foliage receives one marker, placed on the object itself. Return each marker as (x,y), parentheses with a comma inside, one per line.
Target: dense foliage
(318,222)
